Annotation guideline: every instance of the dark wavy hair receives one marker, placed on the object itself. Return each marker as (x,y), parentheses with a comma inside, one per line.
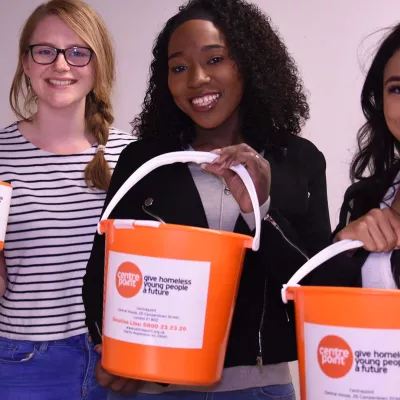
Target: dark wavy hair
(274,104)
(377,147)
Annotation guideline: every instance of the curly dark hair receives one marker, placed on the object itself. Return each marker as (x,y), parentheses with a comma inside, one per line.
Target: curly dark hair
(377,147)
(274,104)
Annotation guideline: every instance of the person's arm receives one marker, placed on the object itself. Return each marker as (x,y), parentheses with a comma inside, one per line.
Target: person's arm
(378,230)
(314,228)
(344,269)
(92,290)
(279,250)
(314,232)
(249,217)
(93,281)
(345,215)
(3,274)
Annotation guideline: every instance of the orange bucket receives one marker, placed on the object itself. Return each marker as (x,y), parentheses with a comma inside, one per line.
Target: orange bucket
(170,290)
(5,202)
(348,339)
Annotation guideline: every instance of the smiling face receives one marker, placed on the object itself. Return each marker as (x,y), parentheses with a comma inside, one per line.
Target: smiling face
(58,85)
(391,94)
(203,80)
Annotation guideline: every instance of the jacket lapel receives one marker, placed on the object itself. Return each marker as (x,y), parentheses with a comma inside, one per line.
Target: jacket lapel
(171,194)
(174,196)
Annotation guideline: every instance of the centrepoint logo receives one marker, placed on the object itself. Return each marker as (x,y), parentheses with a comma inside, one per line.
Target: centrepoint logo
(129,279)
(335,356)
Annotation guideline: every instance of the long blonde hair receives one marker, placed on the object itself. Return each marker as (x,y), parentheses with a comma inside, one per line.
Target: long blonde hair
(87,24)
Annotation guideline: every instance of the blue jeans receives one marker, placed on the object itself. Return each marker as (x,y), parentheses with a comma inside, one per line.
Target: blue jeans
(275,392)
(56,370)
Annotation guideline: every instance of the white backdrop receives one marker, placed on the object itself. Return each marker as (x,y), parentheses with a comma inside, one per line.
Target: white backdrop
(330,41)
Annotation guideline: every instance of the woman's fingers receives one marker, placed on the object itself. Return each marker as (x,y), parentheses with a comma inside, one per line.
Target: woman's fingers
(379,230)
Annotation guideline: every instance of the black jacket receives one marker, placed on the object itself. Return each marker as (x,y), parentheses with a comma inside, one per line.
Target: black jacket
(359,199)
(298,191)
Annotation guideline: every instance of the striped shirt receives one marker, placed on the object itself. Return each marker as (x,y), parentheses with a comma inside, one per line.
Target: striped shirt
(53,218)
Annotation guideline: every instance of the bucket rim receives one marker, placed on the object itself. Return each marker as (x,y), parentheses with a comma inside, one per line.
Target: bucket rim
(344,290)
(3,183)
(168,226)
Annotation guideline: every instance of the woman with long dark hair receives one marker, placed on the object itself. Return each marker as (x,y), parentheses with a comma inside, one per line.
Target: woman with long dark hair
(371,208)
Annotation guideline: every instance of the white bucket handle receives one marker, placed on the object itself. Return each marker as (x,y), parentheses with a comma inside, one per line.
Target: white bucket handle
(317,260)
(198,157)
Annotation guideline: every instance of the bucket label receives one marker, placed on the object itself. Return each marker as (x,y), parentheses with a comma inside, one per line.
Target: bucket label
(156,301)
(352,363)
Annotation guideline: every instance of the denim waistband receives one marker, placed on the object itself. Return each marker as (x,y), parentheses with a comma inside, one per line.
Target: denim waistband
(77,341)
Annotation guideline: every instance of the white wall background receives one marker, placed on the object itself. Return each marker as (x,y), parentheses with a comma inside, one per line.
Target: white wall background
(329,40)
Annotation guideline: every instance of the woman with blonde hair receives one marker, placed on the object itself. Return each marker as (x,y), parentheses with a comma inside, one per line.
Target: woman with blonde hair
(58,157)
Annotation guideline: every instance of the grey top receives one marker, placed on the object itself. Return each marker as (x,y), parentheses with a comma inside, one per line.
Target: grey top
(222,212)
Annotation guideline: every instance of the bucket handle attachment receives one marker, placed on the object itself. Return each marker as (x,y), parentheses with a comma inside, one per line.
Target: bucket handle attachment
(198,157)
(317,260)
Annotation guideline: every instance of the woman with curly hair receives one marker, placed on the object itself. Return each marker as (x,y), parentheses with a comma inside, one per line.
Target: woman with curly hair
(222,80)
(271,110)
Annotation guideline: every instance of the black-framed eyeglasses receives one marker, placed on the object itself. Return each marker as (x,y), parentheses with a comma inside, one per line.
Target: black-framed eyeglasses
(75,56)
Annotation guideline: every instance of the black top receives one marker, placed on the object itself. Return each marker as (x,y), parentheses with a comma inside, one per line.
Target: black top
(298,192)
(359,199)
